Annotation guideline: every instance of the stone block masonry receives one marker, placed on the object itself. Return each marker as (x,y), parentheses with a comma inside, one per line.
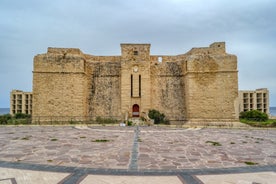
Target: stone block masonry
(199,86)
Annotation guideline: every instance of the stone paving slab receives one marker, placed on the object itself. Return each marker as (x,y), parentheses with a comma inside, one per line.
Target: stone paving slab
(18,176)
(109,179)
(245,178)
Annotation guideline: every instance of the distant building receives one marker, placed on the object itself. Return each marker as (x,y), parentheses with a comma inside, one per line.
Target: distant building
(20,102)
(254,100)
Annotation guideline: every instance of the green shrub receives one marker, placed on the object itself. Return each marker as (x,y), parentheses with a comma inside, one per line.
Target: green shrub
(21,116)
(18,119)
(273,124)
(254,115)
(4,119)
(159,118)
(129,123)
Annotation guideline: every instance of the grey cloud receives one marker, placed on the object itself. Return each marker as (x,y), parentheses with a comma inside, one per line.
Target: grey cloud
(172,27)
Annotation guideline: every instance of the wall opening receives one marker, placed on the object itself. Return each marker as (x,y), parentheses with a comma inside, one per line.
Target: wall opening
(160,59)
(131,86)
(135,110)
(139,85)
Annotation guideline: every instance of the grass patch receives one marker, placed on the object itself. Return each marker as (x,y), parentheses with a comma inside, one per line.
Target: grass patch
(250,163)
(139,140)
(26,138)
(54,139)
(82,137)
(232,143)
(100,140)
(101,120)
(213,143)
(267,123)
(49,160)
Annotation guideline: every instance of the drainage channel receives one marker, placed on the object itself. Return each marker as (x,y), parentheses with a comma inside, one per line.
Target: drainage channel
(133,166)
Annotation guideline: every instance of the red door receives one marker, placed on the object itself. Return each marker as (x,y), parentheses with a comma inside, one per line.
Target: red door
(135,110)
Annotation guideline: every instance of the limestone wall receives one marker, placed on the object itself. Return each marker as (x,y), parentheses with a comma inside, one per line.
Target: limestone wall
(167,88)
(135,52)
(142,98)
(201,85)
(59,84)
(211,85)
(104,97)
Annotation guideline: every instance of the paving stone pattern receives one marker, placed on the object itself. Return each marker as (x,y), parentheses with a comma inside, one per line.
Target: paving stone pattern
(193,149)
(82,151)
(67,146)
(153,148)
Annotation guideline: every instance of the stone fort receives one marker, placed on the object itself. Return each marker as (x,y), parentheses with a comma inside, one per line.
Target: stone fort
(198,86)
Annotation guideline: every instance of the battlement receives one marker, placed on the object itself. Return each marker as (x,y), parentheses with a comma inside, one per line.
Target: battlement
(135,52)
(219,46)
(214,48)
(53,50)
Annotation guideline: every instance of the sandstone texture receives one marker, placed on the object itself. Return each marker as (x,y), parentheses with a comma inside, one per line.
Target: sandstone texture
(201,85)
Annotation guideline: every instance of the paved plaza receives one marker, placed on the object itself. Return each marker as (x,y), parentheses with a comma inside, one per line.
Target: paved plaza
(109,154)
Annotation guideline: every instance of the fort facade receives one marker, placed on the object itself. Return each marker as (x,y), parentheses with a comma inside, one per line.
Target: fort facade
(200,85)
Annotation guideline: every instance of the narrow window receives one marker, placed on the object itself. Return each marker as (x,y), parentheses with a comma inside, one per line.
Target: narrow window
(139,85)
(135,52)
(131,84)
(160,59)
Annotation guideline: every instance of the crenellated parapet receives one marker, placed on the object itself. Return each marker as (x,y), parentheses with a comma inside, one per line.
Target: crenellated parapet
(60,60)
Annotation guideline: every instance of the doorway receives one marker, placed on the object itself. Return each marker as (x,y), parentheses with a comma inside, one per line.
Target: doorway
(135,110)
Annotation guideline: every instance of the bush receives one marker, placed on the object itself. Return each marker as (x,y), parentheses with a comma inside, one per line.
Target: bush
(5,118)
(254,115)
(21,116)
(159,118)
(273,124)
(129,123)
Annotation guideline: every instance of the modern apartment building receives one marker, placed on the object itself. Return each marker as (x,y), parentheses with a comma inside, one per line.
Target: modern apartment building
(20,102)
(254,100)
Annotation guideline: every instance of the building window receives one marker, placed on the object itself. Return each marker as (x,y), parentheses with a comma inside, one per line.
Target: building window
(131,86)
(160,59)
(139,85)
(135,52)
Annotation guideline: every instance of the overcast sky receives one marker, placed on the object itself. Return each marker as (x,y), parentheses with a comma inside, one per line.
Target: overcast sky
(172,27)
